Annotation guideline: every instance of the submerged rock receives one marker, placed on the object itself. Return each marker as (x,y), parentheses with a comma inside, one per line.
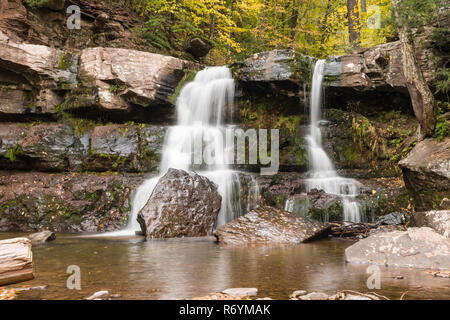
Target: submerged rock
(439,221)
(100,295)
(416,248)
(246,292)
(182,204)
(426,172)
(314,296)
(270,225)
(40,237)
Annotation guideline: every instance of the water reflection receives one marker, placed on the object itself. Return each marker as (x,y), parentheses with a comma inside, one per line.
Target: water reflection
(180,269)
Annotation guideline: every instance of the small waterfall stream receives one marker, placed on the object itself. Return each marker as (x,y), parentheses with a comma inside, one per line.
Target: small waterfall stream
(200,109)
(323,175)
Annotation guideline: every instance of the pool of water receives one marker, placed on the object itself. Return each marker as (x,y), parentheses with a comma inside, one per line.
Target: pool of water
(186,268)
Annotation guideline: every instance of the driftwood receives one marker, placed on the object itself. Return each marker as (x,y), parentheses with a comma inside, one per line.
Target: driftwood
(16,261)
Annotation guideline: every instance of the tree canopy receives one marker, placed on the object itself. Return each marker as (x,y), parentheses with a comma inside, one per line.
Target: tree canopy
(238,28)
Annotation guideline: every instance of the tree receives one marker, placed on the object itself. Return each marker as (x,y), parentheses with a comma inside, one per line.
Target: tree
(422,99)
(353,22)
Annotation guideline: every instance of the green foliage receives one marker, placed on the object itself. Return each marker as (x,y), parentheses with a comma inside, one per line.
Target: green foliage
(442,125)
(65,61)
(36,3)
(115,88)
(13,153)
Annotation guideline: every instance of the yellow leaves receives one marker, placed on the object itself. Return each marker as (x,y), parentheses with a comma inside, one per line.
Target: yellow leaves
(7,294)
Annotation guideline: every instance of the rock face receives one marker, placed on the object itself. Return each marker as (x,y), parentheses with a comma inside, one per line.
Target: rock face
(426,172)
(71,147)
(33,78)
(270,225)
(182,205)
(65,202)
(356,77)
(416,248)
(439,221)
(283,71)
(364,75)
(39,81)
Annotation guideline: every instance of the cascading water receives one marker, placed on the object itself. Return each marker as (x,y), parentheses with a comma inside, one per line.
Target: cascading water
(323,175)
(200,109)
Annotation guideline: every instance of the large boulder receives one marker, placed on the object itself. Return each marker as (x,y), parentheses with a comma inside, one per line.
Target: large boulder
(129,77)
(415,248)
(437,220)
(182,204)
(426,171)
(198,47)
(270,225)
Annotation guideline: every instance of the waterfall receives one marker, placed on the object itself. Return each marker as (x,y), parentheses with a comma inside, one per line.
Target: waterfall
(200,109)
(322,172)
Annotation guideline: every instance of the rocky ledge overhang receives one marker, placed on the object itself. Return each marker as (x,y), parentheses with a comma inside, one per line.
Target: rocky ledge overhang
(37,80)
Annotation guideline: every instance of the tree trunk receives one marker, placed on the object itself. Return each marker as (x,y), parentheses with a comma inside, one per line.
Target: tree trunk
(363,6)
(422,99)
(353,28)
(16,261)
(300,15)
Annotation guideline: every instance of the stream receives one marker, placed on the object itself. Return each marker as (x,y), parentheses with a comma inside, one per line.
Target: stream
(193,267)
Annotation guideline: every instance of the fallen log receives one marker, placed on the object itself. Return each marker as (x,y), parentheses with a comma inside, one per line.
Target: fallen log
(16,261)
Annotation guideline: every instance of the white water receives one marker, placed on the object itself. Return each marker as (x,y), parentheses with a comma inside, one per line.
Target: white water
(323,173)
(200,109)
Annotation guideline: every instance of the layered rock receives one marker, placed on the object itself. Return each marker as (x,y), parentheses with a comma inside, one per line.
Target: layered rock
(182,205)
(38,80)
(270,225)
(283,72)
(439,221)
(68,202)
(361,76)
(415,248)
(33,78)
(72,147)
(426,171)
(129,77)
